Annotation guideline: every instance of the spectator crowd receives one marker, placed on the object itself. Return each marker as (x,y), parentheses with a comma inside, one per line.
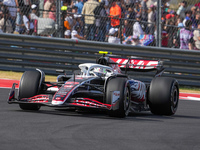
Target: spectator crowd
(114,21)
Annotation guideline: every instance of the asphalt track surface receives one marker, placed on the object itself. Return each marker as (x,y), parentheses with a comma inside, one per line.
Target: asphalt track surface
(59,129)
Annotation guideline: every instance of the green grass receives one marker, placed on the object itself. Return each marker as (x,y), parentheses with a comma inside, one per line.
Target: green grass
(17,76)
(189,89)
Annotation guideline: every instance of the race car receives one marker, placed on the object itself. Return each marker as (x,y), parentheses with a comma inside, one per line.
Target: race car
(101,86)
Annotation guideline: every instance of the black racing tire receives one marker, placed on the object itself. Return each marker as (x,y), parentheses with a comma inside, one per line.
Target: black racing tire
(119,84)
(29,86)
(163,96)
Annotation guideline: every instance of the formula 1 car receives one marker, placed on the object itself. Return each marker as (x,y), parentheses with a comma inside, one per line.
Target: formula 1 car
(102,86)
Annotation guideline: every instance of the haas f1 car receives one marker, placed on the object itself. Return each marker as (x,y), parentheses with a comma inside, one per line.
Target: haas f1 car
(102,86)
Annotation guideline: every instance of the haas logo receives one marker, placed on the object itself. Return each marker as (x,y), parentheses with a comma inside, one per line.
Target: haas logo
(138,90)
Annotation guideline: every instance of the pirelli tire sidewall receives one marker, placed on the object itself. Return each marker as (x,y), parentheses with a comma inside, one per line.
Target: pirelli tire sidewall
(122,106)
(163,96)
(29,86)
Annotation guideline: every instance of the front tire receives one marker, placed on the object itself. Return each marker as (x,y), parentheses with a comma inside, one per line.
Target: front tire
(121,85)
(163,96)
(29,86)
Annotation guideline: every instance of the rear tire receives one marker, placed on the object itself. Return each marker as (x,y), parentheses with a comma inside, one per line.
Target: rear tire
(119,84)
(163,96)
(29,86)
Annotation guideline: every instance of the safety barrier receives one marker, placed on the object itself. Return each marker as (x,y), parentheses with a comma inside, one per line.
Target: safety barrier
(21,53)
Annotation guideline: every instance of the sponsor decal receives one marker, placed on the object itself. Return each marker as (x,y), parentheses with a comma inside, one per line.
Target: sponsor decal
(71,82)
(37,99)
(68,86)
(58,98)
(87,102)
(135,63)
(121,62)
(62,92)
(143,64)
(115,96)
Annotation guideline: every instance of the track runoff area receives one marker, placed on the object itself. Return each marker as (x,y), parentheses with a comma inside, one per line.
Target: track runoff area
(7,83)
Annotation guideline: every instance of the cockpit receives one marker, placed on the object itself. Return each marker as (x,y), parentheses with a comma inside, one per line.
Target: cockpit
(90,69)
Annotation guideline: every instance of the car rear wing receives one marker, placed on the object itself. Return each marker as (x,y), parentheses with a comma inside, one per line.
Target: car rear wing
(136,64)
(131,64)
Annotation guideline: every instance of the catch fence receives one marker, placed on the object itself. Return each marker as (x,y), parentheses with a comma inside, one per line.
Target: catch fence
(155,30)
(22,52)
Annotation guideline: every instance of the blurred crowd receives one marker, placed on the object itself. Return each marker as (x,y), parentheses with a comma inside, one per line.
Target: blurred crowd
(114,21)
(21,16)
